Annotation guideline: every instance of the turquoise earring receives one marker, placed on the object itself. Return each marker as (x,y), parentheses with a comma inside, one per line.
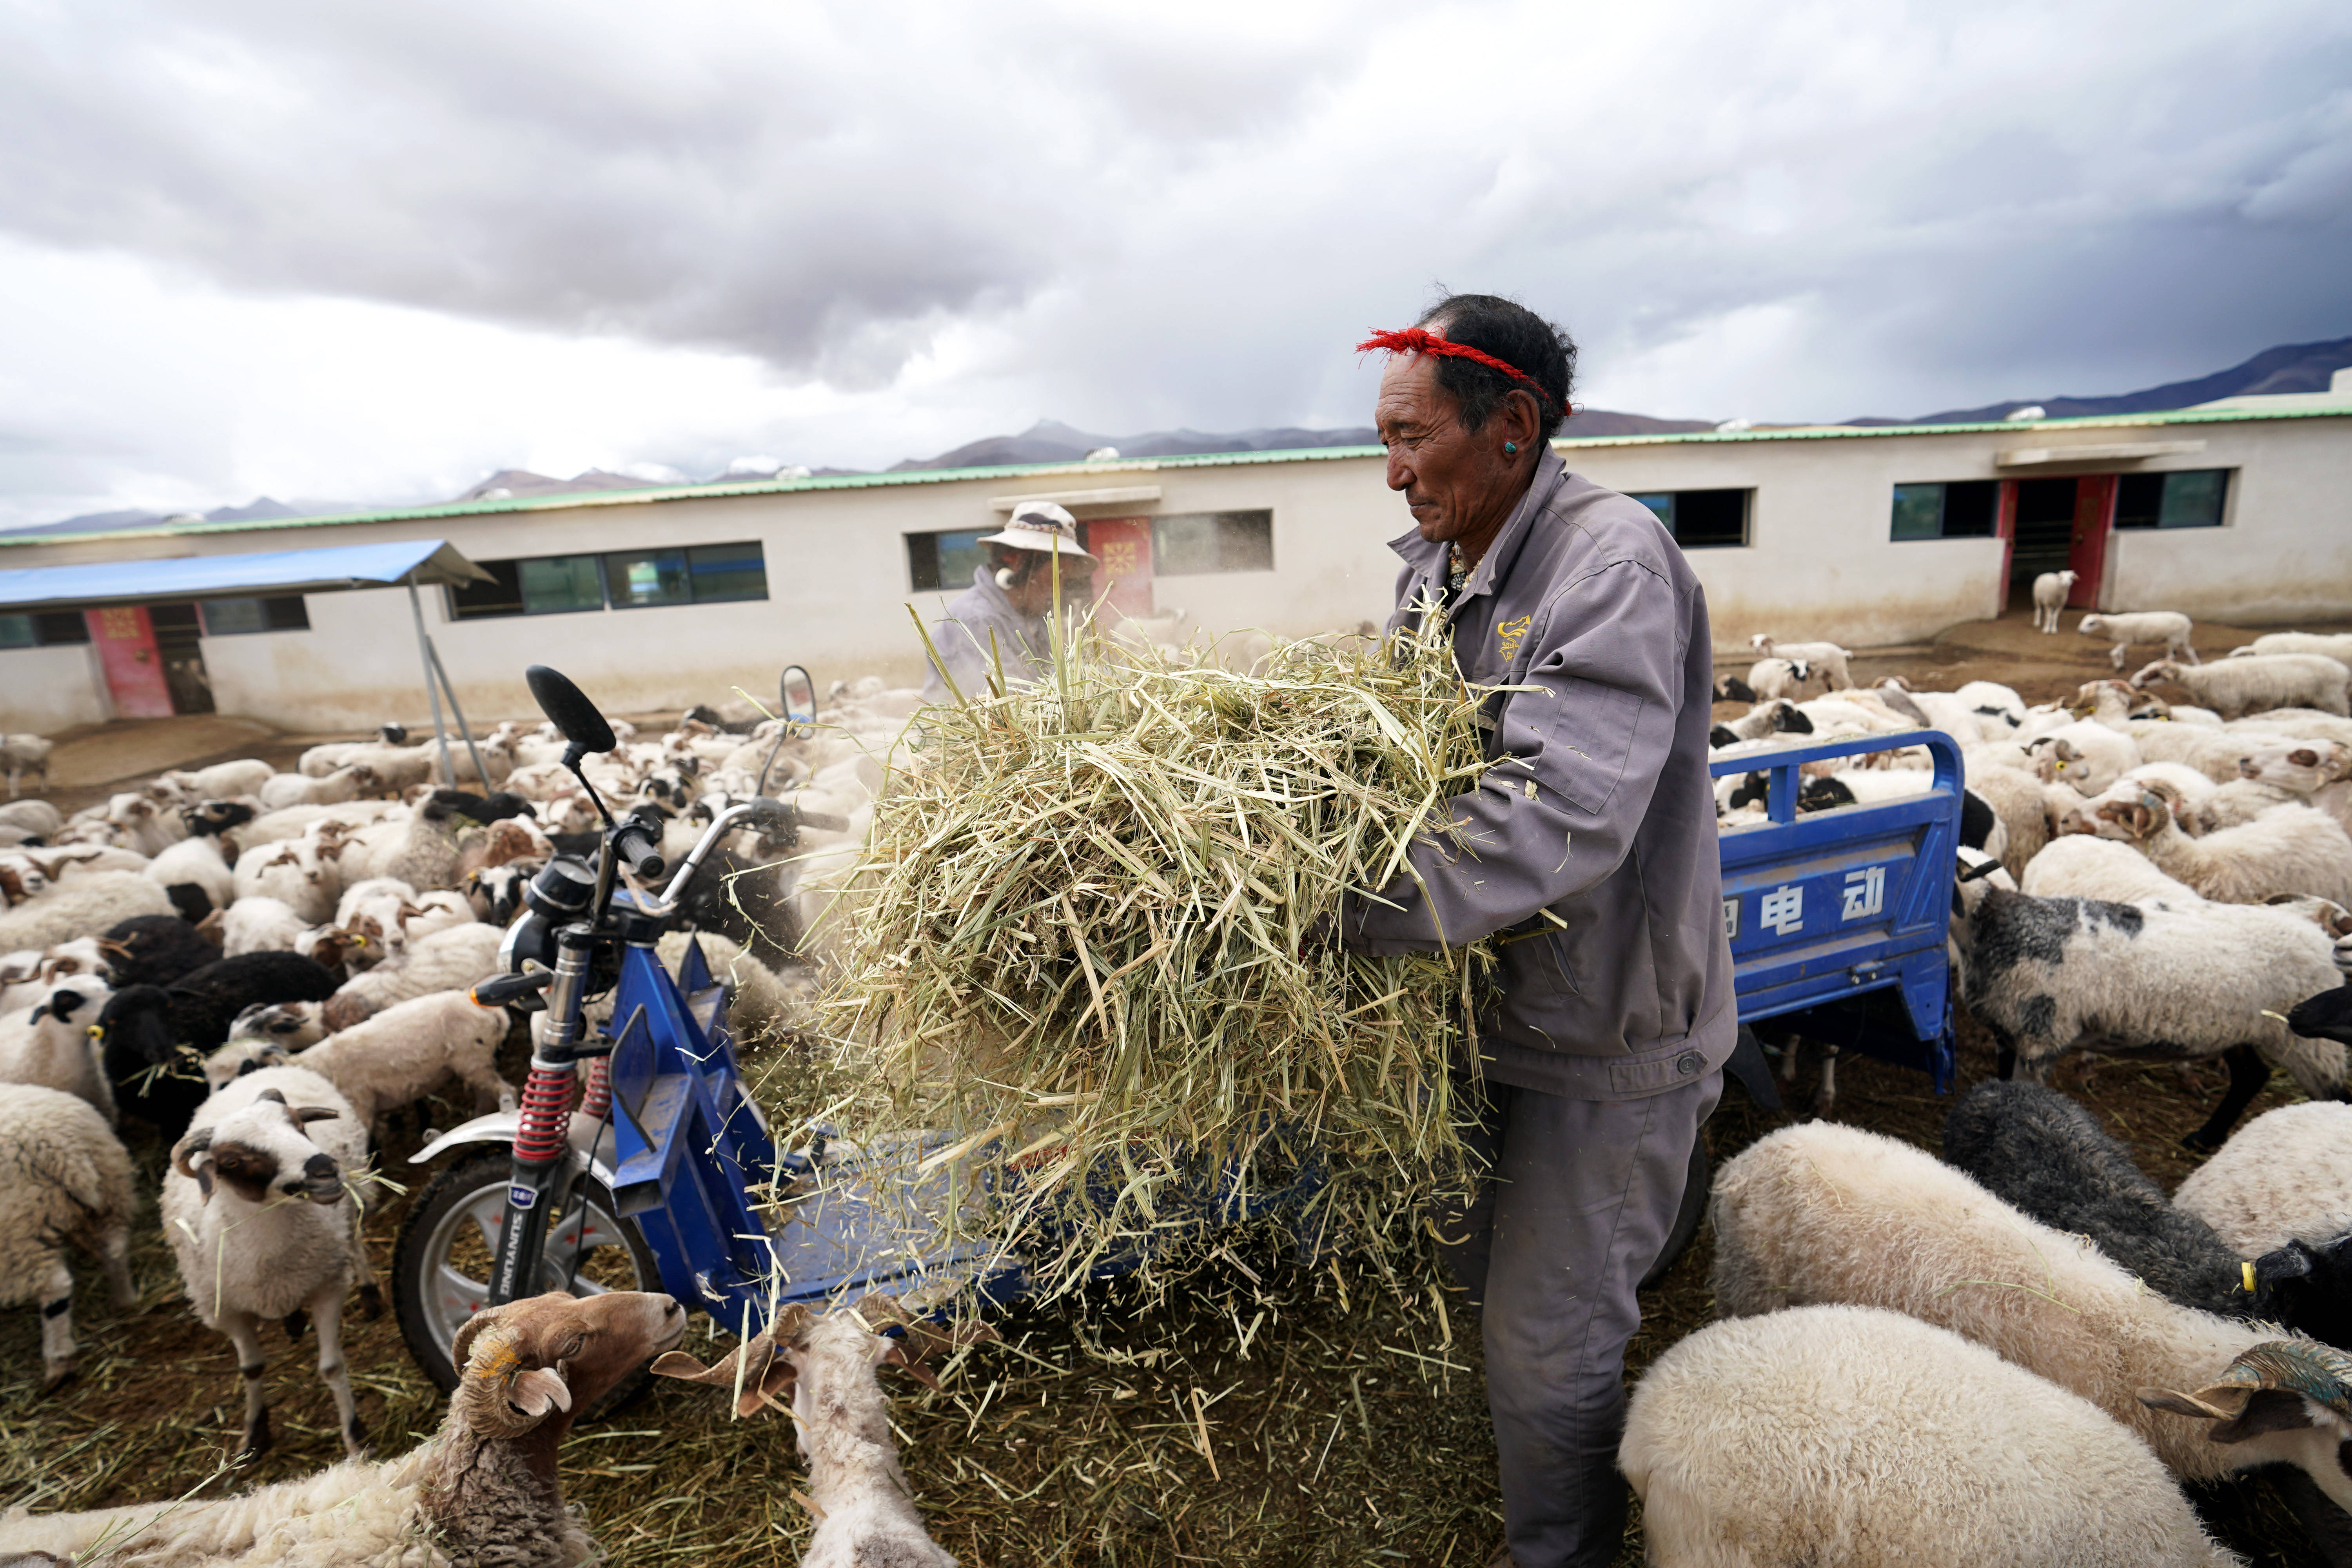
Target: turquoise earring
(1510,449)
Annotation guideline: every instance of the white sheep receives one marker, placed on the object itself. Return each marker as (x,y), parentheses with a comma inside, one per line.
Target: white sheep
(64,1180)
(453,960)
(1797,1437)
(391,1059)
(80,905)
(2234,687)
(2050,592)
(2088,755)
(1826,660)
(2285,1177)
(2169,627)
(35,816)
(2336,646)
(483,1489)
(261,924)
(2081,866)
(222,781)
(247,1255)
(2155,979)
(52,1044)
(24,753)
(295,821)
(1826,1214)
(346,784)
(2318,772)
(294,873)
(2303,723)
(199,861)
(1768,678)
(145,825)
(2288,850)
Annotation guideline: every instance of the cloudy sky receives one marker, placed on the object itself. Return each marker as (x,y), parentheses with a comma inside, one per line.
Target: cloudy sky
(377,250)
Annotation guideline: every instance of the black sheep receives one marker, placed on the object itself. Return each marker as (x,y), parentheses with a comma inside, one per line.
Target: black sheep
(482,808)
(739,898)
(154,950)
(154,1036)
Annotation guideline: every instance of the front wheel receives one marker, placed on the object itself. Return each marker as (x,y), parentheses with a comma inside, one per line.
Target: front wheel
(441,1269)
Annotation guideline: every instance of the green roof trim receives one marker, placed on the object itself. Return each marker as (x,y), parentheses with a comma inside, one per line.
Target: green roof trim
(652,493)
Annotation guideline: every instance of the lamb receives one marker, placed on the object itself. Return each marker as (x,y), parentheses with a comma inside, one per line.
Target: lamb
(1765,719)
(2235,687)
(1772,678)
(24,753)
(421,851)
(2285,1177)
(147,1028)
(345,784)
(395,1058)
(2050,592)
(144,825)
(246,1256)
(195,875)
(37,818)
(2051,975)
(51,1044)
(453,960)
(2087,754)
(2287,849)
(295,821)
(2169,627)
(483,1489)
(260,925)
(2336,646)
(1725,1446)
(1826,658)
(396,768)
(80,905)
(826,1366)
(64,1179)
(2316,772)
(220,781)
(1826,1214)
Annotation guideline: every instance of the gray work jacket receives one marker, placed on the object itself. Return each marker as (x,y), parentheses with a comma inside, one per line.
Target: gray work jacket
(1600,810)
(1023,642)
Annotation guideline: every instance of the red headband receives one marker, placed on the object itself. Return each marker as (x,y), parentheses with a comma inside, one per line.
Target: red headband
(1420,341)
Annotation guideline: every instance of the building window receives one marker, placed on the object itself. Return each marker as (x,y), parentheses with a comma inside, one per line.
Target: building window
(1961,509)
(1702,520)
(1186,544)
(239,617)
(42,628)
(2191,499)
(944,562)
(625,579)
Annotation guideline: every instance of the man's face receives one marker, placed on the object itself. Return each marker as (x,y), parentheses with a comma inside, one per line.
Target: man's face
(1035,595)
(1455,482)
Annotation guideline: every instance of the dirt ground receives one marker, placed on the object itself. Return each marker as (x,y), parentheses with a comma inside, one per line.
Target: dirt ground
(1275,1416)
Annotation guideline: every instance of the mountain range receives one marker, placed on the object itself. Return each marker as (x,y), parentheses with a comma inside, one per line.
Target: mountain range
(2288,368)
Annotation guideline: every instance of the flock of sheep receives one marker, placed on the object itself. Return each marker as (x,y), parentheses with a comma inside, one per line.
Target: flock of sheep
(2017,1354)
(2014,1354)
(262,967)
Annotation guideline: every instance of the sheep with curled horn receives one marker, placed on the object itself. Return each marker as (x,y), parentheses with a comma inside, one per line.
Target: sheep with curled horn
(821,1369)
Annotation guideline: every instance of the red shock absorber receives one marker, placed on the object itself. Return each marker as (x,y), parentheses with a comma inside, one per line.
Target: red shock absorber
(596,1099)
(546,1107)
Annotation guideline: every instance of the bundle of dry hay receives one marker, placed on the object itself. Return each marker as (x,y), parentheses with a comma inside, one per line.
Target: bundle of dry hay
(1086,944)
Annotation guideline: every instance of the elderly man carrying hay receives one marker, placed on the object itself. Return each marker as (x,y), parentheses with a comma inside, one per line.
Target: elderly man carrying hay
(1005,615)
(1591,847)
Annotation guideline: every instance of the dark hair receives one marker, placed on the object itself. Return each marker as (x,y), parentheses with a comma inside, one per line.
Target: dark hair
(1514,334)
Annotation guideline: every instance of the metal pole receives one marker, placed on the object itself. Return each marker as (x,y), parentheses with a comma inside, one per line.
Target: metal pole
(425,656)
(463,730)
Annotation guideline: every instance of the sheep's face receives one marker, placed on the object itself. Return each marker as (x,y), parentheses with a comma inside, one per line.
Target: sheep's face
(75,1004)
(556,1354)
(2300,765)
(260,1152)
(2132,819)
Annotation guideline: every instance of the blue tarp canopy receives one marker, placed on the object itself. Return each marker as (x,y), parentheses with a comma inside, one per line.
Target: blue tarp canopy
(98,582)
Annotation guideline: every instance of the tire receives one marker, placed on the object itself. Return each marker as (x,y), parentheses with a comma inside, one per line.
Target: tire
(1695,1182)
(448,1241)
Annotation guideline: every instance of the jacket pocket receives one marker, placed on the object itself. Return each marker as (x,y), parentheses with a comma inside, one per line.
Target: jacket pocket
(1591,736)
(1540,963)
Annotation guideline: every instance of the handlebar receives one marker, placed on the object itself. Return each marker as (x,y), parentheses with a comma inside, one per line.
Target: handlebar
(502,989)
(639,844)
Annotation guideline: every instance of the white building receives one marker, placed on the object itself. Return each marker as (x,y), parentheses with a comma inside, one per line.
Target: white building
(658,598)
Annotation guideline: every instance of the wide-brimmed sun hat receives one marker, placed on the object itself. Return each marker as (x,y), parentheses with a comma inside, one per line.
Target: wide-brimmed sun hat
(1042,526)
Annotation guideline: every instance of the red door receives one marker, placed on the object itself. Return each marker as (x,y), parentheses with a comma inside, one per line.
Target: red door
(1123,546)
(135,669)
(2095,514)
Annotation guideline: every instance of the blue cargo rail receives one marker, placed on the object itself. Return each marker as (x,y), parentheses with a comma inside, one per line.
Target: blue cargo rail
(1834,905)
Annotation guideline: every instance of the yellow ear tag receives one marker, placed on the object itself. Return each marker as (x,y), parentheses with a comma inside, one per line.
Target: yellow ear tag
(2247,1270)
(96,1033)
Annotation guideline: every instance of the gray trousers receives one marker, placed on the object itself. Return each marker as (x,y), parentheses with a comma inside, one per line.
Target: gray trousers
(1579,1204)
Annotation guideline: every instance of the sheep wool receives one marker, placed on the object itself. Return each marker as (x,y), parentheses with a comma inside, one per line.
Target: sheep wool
(80,905)
(1797,1437)
(2233,687)
(2286,1176)
(64,1178)
(453,960)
